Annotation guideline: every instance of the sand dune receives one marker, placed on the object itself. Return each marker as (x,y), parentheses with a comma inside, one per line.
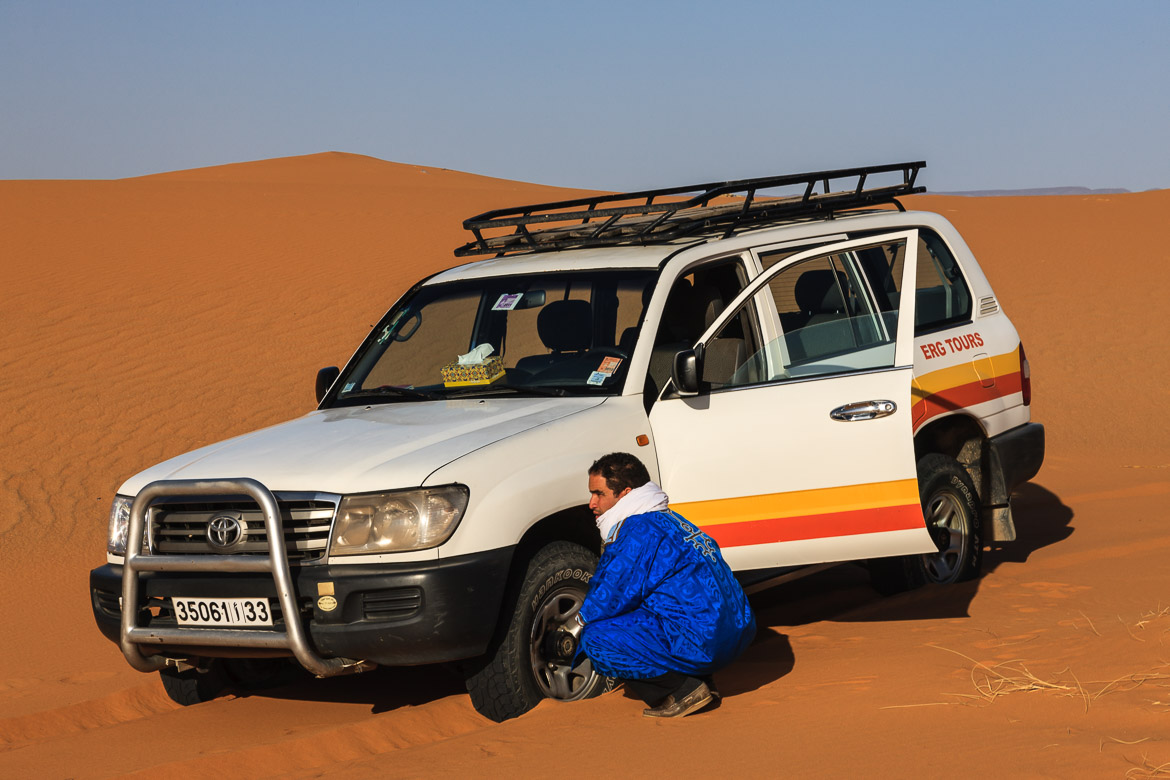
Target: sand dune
(144,317)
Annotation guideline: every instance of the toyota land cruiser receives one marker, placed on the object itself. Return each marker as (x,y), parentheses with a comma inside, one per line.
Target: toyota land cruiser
(814,377)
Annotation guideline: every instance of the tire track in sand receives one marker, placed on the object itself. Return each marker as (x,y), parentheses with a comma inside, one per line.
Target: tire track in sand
(378,735)
(140,732)
(124,706)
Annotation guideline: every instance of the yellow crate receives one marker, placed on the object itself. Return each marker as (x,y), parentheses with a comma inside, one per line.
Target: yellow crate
(455,375)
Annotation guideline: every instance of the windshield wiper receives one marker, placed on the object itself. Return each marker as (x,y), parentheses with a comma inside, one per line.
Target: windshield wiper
(520,389)
(400,392)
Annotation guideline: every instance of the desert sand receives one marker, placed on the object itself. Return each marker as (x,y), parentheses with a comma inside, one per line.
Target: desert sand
(145,317)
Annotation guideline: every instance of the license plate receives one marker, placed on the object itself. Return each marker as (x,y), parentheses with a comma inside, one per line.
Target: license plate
(221,612)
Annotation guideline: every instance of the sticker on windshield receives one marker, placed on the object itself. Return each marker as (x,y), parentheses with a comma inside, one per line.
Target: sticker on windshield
(609,365)
(389,329)
(348,387)
(597,378)
(507,301)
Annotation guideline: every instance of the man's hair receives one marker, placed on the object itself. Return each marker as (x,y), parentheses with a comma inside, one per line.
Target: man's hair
(620,470)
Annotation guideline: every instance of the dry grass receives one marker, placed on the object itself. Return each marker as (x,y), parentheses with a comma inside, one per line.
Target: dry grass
(1090,622)
(992,681)
(1148,770)
(1151,616)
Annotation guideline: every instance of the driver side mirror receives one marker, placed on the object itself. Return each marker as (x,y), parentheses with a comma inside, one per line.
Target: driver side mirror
(685,371)
(325,379)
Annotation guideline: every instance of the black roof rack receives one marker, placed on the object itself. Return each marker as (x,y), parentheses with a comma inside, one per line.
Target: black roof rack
(641,218)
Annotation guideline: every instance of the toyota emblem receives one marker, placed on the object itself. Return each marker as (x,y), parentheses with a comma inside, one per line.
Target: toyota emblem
(226,531)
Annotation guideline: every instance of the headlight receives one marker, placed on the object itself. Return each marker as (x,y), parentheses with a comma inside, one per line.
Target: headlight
(393,522)
(119,524)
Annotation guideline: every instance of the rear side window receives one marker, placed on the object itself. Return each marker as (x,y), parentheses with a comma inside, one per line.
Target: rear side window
(830,318)
(942,297)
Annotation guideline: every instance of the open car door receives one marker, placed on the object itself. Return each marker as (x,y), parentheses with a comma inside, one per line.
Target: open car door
(797,447)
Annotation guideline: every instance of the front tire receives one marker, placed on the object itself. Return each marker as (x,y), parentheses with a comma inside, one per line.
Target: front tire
(193,686)
(522,666)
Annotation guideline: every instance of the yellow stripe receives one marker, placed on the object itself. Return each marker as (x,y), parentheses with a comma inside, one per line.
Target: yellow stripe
(937,381)
(800,503)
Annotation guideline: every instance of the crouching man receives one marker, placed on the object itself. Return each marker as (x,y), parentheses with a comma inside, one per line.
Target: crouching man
(664,611)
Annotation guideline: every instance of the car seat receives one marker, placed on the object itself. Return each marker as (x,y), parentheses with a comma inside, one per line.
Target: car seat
(566,330)
(819,295)
(726,353)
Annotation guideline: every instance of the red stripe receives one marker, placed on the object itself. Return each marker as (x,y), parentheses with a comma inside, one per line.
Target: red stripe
(962,396)
(791,529)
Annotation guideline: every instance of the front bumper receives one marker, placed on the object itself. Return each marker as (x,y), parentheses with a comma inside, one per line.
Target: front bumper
(392,614)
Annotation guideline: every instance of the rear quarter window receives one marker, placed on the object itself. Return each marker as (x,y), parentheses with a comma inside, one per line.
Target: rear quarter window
(942,297)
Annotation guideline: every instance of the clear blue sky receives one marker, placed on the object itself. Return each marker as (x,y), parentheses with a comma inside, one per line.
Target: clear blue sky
(611,95)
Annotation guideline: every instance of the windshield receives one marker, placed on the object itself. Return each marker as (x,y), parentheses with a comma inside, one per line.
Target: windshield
(541,334)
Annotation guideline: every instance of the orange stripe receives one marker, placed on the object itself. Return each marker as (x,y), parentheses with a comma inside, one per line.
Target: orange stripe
(799,503)
(962,396)
(820,526)
(808,514)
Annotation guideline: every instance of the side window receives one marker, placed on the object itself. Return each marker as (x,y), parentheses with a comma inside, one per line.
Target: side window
(696,300)
(769,259)
(832,319)
(734,356)
(942,297)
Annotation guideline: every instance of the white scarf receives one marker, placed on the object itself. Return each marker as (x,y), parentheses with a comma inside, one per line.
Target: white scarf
(648,498)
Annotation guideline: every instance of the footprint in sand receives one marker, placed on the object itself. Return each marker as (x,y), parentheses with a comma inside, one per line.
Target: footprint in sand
(16,684)
(1005,641)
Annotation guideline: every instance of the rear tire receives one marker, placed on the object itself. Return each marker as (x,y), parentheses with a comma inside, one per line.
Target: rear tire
(518,670)
(950,506)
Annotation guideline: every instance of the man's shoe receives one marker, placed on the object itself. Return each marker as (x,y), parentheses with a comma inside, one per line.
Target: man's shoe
(671,708)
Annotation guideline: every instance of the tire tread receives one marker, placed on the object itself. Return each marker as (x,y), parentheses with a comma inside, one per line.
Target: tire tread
(500,683)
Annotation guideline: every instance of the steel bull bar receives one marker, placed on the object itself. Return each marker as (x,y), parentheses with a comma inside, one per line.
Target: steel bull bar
(293,638)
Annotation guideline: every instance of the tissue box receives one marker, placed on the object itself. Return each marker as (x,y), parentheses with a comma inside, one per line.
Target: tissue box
(455,375)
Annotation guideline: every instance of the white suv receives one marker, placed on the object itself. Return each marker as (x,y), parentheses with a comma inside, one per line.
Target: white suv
(757,354)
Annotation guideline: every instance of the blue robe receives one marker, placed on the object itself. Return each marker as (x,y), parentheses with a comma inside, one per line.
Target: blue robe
(663,600)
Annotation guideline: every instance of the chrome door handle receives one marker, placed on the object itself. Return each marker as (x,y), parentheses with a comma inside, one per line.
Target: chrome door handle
(863,410)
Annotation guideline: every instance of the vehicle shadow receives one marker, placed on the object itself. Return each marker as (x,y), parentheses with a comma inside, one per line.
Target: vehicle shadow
(769,658)
(383,688)
(1042,519)
(844,594)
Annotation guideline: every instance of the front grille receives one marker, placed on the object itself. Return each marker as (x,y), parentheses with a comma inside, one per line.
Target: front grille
(181,528)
